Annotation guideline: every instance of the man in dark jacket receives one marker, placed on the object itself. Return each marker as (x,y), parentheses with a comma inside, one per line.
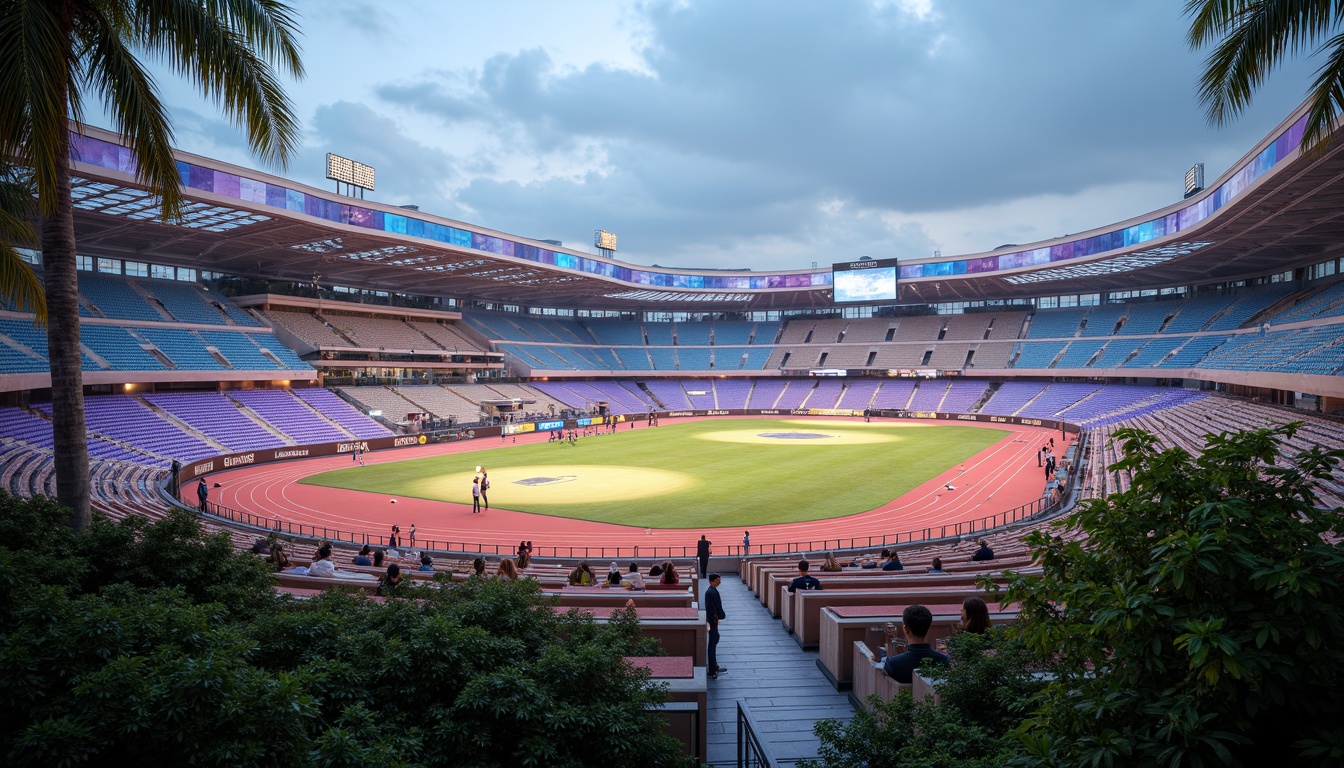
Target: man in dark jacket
(702,554)
(915,623)
(983,553)
(202,493)
(714,613)
(804,581)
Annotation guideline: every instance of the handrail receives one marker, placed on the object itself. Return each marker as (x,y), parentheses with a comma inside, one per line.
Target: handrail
(751,751)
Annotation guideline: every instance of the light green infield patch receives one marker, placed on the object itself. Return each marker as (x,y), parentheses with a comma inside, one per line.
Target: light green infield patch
(807,436)
(533,485)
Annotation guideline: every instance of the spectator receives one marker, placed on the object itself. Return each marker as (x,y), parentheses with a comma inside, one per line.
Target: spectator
(392,537)
(478,566)
(714,614)
(983,553)
(203,493)
(323,566)
(893,561)
(378,558)
(804,581)
(975,616)
(259,547)
(363,557)
(582,576)
(656,572)
(670,573)
(507,570)
(426,562)
(278,557)
(831,565)
(937,566)
(614,580)
(390,584)
(633,578)
(915,623)
(702,554)
(522,554)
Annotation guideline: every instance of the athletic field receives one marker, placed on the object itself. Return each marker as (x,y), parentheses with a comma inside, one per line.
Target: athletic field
(697,474)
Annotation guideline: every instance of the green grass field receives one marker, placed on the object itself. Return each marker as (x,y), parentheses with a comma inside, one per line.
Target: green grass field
(694,474)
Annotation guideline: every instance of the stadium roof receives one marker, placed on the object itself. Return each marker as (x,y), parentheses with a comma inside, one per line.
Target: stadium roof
(1276,209)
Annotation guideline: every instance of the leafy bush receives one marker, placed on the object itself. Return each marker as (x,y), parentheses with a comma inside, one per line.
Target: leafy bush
(152,644)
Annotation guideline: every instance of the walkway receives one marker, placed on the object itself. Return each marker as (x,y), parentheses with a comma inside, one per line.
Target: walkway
(779,682)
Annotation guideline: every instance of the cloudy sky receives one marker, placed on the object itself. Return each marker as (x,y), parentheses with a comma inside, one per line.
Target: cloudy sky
(762,134)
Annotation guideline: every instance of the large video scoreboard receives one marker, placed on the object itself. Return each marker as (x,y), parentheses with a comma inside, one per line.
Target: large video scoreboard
(865,281)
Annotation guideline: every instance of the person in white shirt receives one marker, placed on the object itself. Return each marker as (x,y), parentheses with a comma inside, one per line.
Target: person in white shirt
(322,566)
(633,578)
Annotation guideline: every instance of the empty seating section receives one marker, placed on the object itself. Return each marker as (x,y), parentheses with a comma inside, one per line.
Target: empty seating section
(894,395)
(35,339)
(1037,354)
(1011,396)
(116,345)
(919,328)
(33,431)
(967,327)
(394,406)
(1056,398)
(758,358)
(184,348)
(1146,318)
(871,329)
(1153,352)
(633,359)
(533,399)
(341,412)
(859,394)
(963,394)
(900,355)
(1322,304)
(1189,355)
(728,332)
(766,393)
(795,392)
(669,394)
(116,298)
(691,334)
(441,402)
(732,393)
(664,358)
(699,359)
(929,395)
(617,333)
(658,334)
(700,393)
(446,335)
(243,351)
(992,355)
(380,332)
(126,419)
(845,356)
(217,417)
(949,356)
(307,327)
(187,302)
(1101,321)
(796,331)
(1245,308)
(15,361)
(290,415)
(1078,353)
(1007,325)
(1305,350)
(1056,323)
(766,332)
(826,394)
(1116,352)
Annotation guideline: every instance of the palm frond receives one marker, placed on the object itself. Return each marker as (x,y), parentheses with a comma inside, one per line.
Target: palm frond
(21,285)
(132,101)
(35,73)
(1327,96)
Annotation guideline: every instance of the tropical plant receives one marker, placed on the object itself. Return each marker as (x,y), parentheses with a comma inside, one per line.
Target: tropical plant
(1196,618)
(55,54)
(19,285)
(1252,37)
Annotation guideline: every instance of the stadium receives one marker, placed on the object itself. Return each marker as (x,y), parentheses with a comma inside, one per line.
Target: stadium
(307,366)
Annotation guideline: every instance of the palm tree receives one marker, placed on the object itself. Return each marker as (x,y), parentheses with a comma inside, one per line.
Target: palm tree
(1251,38)
(18,283)
(55,54)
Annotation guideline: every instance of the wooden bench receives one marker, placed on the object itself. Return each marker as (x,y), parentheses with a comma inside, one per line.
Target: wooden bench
(869,677)
(805,618)
(598,597)
(681,631)
(686,712)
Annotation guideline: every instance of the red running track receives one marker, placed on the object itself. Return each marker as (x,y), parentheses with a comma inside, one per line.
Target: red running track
(997,479)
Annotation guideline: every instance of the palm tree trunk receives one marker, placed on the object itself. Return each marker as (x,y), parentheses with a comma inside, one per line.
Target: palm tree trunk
(61,279)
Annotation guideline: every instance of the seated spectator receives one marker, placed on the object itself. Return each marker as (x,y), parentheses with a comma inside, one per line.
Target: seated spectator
(915,623)
(670,574)
(259,547)
(893,562)
(426,562)
(323,566)
(614,580)
(363,558)
(507,570)
(478,567)
(278,557)
(378,558)
(831,565)
(975,616)
(582,576)
(868,564)
(656,572)
(937,566)
(633,578)
(390,584)
(804,581)
(983,553)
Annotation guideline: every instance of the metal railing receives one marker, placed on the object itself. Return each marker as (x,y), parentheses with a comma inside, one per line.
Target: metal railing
(751,751)
(984,525)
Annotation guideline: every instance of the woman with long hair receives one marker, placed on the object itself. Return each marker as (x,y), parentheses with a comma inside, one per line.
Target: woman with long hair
(670,573)
(507,570)
(975,616)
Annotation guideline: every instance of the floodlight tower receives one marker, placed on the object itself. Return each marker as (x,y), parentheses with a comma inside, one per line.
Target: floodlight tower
(352,173)
(606,243)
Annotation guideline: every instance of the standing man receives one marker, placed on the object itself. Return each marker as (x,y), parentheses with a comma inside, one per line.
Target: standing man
(475,495)
(714,613)
(746,542)
(702,553)
(412,535)
(203,494)
(485,486)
